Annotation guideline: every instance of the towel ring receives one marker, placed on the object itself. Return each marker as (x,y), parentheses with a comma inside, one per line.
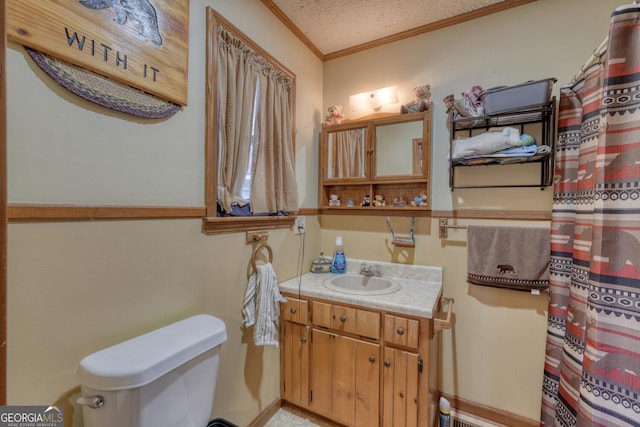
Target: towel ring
(255,252)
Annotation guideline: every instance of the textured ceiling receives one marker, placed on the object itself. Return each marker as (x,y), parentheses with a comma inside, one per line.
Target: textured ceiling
(331,26)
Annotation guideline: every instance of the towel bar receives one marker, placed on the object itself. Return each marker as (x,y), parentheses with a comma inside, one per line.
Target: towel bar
(442,324)
(444,225)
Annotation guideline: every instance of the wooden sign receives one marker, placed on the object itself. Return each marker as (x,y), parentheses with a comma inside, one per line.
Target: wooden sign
(141,43)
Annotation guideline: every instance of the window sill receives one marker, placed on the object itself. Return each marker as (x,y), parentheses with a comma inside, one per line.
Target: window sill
(216,225)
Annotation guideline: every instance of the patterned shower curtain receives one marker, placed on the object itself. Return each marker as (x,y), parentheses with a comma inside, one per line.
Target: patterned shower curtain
(592,364)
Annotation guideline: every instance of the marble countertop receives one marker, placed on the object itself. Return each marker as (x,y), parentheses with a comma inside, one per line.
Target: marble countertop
(421,288)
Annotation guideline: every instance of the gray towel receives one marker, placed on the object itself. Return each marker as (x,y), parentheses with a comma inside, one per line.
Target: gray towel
(509,257)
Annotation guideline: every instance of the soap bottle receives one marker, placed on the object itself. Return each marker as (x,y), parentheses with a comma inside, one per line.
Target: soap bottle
(339,264)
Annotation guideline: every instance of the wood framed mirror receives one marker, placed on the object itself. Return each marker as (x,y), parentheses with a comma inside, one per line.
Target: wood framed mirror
(385,155)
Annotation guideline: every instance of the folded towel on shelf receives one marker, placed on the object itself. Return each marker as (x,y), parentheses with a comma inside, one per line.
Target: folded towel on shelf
(487,143)
(260,308)
(524,151)
(508,257)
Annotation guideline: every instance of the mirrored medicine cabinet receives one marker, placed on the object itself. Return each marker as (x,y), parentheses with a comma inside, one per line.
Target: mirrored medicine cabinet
(379,164)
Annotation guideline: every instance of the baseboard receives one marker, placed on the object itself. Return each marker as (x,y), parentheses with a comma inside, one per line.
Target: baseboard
(488,414)
(266,415)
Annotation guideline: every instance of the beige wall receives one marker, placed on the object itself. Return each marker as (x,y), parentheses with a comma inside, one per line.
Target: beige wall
(495,353)
(535,41)
(75,287)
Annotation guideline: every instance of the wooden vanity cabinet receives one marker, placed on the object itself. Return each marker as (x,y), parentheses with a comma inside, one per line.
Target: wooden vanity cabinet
(364,366)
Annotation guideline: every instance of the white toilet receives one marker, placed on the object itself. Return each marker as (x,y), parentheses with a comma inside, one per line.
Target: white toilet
(165,378)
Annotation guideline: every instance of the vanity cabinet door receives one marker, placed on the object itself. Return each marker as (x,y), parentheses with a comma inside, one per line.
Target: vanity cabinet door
(344,379)
(400,377)
(295,363)
(345,382)
(321,371)
(367,384)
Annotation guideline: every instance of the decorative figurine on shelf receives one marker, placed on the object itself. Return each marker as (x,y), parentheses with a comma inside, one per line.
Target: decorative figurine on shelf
(421,96)
(366,201)
(420,200)
(333,200)
(379,201)
(470,105)
(350,202)
(400,202)
(335,116)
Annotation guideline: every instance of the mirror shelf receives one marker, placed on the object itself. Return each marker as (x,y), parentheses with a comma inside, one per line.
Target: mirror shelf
(384,155)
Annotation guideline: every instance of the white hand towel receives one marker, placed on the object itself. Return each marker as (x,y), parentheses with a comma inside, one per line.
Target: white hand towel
(260,307)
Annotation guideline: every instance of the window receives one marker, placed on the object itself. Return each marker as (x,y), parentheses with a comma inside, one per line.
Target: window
(250,175)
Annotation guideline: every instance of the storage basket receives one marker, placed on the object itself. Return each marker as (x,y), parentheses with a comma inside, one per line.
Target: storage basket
(525,96)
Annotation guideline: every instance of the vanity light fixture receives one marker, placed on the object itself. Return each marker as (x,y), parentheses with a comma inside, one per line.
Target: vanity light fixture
(375,100)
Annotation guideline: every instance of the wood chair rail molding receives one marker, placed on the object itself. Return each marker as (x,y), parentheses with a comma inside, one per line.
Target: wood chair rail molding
(51,212)
(35,212)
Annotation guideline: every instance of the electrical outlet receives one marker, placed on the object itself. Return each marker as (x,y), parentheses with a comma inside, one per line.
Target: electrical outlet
(299,225)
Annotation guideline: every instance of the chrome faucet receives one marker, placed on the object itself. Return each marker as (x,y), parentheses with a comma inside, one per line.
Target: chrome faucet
(370,270)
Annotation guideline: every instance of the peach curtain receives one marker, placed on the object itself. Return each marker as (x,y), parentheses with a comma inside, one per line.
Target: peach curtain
(236,83)
(255,130)
(349,153)
(273,187)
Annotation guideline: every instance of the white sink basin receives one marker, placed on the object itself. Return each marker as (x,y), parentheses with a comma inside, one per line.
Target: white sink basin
(361,285)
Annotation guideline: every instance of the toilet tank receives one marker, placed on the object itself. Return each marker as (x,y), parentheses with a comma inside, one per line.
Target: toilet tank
(165,378)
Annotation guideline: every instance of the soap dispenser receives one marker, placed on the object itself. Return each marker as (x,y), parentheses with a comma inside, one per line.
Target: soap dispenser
(339,264)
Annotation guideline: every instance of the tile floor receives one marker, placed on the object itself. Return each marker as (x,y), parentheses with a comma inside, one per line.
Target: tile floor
(284,418)
(290,417)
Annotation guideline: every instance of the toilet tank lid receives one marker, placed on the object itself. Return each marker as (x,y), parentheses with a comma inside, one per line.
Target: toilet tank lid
(142,359)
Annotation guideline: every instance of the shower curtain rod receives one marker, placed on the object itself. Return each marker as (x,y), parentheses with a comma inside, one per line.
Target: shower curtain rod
(597,54)
(594,58)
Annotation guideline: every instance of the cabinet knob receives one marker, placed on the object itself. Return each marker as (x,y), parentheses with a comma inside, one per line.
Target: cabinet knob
(372,359)
(400,331)
(303,340)
(343,318)
(293,310)
(387,363)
